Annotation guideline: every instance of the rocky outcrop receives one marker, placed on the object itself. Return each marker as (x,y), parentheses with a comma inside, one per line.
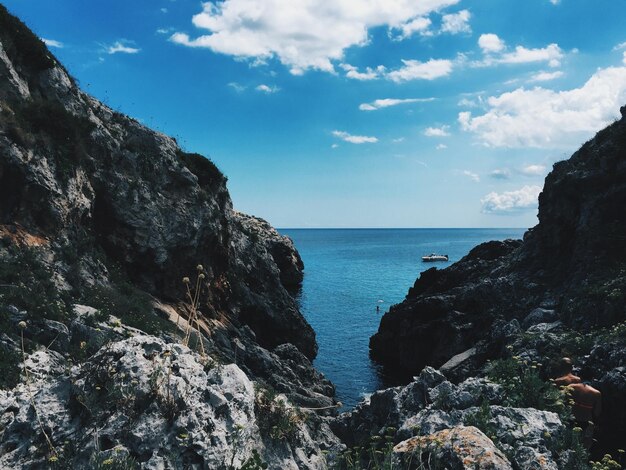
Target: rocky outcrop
(435,420)
(160,403)
(104,190)
(458,448)
(101,220)
(572,263)
(559,292)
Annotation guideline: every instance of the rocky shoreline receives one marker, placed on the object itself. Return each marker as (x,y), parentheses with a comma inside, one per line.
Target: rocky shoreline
(107,362)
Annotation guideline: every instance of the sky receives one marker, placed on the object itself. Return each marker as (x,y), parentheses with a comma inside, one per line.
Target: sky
(357,113)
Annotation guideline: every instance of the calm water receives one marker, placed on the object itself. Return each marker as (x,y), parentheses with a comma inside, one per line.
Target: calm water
(348,272)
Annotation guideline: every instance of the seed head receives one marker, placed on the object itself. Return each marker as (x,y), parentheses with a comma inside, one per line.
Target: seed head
(201,276)
(185,280)
(200,268)
(22,325)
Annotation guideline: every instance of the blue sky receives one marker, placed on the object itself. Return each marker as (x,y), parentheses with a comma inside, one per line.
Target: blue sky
(357,113)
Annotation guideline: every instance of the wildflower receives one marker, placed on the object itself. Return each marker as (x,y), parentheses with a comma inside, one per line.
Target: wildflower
(186,280)
(22,325)
(53,459)
(107,462)
(83,344)
(577,429)
(200,268)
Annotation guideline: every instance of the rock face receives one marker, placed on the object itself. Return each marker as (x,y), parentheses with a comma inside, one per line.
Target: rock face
(435,419)
(101,219)
(559,292)
(572,266)
(82,177)
(160,403)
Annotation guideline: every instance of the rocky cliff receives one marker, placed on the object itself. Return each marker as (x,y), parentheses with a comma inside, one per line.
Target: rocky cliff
(569,272)
(101,219)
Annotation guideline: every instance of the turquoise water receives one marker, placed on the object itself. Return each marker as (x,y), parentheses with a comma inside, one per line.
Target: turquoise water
(348,272)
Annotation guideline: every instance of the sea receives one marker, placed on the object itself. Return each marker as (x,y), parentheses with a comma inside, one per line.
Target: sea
(348,273)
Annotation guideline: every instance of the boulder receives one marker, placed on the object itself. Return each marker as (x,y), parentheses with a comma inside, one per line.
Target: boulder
(458,448)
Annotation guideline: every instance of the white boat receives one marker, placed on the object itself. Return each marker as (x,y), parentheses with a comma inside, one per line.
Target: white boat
(434,257)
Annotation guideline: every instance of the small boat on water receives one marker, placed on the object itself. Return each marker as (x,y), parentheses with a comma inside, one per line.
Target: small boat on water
(434,257)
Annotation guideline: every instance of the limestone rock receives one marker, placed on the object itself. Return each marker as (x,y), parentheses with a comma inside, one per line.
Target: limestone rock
(458,448)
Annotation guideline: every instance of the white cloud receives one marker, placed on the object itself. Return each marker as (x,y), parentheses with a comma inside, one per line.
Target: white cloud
(494,49)
(369,74)
(164,30)
(163,10)
(414,70)
(267,89)
(471,175)
(398,140)
(620,46)
(387,102)
(238,87)
(441,147)
(419,25)
(545,76)
(302,34)
(551,53)
(455,23)
(511,201)
(533,170)
(500,174)
(437,131)
(355,139)
(550,119)
(334,146)
(467,103)
(490,43)
(52,43)
(555,2)
(121,47)
(624,58)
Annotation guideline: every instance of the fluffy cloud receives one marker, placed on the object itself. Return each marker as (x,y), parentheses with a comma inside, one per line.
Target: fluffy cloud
(550,119)
(441,147)
(300,33)
(387,102)
(620,46)
(437,131)
(355,139)
(369,74)
(533,170)
(471,175)
(122,47)
(416,70)
(52,43)
(545,76)
(494,49)
(267,89)
(490,43)
(500,174)
(511,201)
(455,23)
(418,25)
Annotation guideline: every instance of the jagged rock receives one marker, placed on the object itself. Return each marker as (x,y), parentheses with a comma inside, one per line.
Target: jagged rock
(539,315)
(159,403)
(568,263)
(458,448)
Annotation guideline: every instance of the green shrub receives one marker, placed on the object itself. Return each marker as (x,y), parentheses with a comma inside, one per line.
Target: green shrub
(207,172)
(28,284)
(131,305)
(524,387)
(274,416)
(23,47)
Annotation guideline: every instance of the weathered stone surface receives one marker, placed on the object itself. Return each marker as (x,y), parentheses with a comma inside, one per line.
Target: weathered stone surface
(458,448)
(158,402)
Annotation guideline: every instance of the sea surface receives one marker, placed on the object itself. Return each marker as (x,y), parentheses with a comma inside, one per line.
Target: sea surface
(349,272)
